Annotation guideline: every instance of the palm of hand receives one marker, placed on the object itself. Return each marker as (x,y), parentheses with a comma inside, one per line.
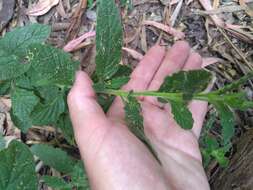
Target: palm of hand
(111,152)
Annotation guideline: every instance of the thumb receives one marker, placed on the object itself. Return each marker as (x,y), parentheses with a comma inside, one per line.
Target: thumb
(88,119)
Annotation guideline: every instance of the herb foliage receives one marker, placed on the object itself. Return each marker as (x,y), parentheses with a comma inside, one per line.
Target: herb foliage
(38,77)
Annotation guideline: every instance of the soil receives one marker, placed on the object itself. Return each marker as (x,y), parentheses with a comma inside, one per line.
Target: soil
(239,174)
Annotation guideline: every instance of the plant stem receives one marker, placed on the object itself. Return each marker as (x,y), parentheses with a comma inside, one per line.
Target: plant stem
(122,93)
(235,84)
(208,97)
(164,95)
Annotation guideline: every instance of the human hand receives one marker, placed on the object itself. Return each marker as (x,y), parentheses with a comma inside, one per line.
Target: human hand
(114,158)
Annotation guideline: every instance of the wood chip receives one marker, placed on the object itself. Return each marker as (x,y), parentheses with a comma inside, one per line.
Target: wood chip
(211,60)
(208,7)
(76,21)
(42,7)
(76,42)
(136,55)
(247,8)
(172,31)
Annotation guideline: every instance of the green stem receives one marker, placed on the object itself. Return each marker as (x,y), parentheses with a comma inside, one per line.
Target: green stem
(235,84)
(170,96)
(208,97)
(165,95)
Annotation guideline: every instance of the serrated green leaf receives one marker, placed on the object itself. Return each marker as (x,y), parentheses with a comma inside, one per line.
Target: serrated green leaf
(48,113)
(237,101)
(99,87)
(134,121)
(13,49)
(78,181)
(181,114)
(117,83)
(64,123)
(123,70)
(109,39)
(23,102)
(187,82)
(219,155)
(78,177)
(47,93)
(246,105)
(23,81)
(206,157)
(133,116)
(54,157)
(56,183)
(5,87)
(17,168)
(211,143)
(235,84)
(227,121)
(20,38)
(11,65)
(51,66)
(105,101)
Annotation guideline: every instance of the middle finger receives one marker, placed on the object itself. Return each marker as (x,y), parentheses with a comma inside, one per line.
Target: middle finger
(173,62)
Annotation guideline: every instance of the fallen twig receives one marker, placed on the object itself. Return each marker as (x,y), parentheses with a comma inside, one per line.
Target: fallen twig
(136,55)
(42,7)
(235,48)
(76,21)
(76,42)
(165,28)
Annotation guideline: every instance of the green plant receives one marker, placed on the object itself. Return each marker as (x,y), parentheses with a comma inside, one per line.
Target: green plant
(90,3)
(38,78)
(212,146)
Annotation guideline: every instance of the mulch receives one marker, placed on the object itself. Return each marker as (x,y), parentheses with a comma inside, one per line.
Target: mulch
(228,50)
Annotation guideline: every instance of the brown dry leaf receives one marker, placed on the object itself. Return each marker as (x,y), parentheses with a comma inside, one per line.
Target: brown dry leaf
(172,31)
(169,2)
(88,60)
(211,60)
(139,2)
(61,10)
(76,42)
(136,55)
(244,33)
(76,20)
(165,2)
(208,7)
(189,2)
(143,36)
(223,9)
(42,7)
(247,8)
(176,13)
(216,4)
(236,30)
(173,2)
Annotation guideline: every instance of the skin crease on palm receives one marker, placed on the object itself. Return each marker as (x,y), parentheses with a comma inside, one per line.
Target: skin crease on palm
(114,158)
